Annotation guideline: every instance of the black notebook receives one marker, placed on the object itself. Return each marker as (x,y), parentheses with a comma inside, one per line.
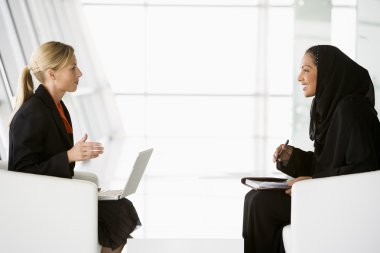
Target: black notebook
(265,183)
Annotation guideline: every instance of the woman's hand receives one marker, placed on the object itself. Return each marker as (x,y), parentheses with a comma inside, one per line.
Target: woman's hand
(83,150)
(285,153)
(291,182)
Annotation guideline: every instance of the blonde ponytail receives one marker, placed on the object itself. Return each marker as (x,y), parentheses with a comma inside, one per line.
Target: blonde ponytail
(25,89)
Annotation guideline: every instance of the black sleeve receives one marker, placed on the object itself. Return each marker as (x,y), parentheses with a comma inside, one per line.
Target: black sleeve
(299,164)
(27,149)
(361,151)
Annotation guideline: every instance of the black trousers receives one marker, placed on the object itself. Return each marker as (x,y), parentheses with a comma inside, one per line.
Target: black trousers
(266,212)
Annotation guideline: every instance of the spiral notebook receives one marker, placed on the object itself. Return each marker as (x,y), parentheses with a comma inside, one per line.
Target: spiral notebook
(133,180)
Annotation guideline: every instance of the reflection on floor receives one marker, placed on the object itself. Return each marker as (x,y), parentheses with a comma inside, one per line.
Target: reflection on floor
(174,203)
(185,246)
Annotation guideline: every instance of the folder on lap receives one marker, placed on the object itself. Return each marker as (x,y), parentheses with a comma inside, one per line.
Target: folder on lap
(265,183)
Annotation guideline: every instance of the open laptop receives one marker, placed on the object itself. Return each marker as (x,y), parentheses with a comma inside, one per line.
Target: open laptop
(133,181)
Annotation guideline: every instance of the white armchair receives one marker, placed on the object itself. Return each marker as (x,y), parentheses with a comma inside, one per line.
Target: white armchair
(47,214)
(335,214)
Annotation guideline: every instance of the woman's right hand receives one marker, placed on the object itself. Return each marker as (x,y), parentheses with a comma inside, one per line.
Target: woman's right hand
(285,154)
(83,150)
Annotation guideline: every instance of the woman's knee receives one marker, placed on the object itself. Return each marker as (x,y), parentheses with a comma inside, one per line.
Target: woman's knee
(250,195)
(263,199)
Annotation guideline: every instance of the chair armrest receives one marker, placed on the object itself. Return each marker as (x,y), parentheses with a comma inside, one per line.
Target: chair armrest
(47,214)
(88,176)
(287,238)
(3,165)
(336,214)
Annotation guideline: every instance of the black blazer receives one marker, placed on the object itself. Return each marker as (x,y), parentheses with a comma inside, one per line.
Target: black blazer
(38,141)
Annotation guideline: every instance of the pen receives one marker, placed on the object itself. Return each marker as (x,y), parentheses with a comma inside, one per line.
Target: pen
(279,153)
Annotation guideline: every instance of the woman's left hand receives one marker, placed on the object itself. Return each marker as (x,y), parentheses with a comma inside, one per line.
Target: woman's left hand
(291,182)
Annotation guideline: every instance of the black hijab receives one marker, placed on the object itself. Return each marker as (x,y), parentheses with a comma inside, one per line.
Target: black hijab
(337,77)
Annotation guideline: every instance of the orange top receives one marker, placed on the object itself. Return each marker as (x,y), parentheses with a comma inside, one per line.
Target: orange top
(68,127)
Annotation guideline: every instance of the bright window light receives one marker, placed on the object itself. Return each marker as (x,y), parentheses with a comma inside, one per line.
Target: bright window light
(199,50)
(343,29)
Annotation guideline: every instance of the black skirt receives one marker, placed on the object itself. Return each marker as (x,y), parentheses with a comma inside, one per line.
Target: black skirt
(117,219)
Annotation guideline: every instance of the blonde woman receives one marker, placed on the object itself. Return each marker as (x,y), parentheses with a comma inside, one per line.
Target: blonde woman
(41,135)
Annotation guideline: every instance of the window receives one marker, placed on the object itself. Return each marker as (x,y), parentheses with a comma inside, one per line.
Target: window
(5,111)
(10,50)
(203,83)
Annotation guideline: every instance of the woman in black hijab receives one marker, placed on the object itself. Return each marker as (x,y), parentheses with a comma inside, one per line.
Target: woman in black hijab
(346,134)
